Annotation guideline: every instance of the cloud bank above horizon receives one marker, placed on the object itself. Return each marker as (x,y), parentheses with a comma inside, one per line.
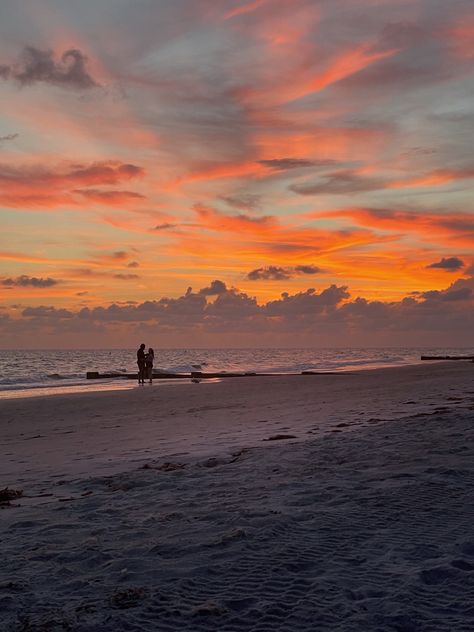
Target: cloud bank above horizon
(308,318)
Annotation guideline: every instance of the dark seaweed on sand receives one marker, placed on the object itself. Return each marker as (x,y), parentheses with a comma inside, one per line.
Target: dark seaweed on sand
(7,494)
(128,598)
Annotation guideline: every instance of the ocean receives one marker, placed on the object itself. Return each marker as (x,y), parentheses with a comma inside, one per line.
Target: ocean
(22,373)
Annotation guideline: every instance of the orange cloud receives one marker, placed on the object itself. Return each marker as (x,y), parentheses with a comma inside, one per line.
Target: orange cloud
(244,8)
(438,177)
(220,171)
(110,198)
(285,31)
(445,228)
(344,65)
(294,144)
(256,239)
(462,36)
(336,143)
(49,187)
(28,258)
(243,224)
(115,257)
(302,80)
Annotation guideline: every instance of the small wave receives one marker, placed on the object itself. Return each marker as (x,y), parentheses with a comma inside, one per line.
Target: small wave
(25,381)
(180,368)
(60,376)
(34,385)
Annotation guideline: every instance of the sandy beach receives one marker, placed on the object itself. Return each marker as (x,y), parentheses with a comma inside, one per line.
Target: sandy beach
(331,502)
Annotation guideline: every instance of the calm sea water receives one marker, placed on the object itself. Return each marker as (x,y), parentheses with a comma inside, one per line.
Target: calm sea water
(20,370)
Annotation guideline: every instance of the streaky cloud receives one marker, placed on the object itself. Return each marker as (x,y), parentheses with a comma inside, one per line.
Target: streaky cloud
(8,137)
(243,202)
(164,226)
(49,186)
(27,281)
(126,277)
(339,183)
(284,164)
(112,198)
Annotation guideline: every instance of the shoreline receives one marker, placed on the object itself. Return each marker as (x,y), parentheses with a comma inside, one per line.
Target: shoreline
(125,384)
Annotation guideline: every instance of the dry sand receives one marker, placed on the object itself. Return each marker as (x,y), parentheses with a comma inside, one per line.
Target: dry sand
(165,508)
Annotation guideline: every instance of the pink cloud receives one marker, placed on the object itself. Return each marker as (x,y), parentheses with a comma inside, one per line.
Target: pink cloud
(49,187)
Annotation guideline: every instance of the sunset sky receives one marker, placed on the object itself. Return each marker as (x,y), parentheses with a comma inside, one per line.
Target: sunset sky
(232,173)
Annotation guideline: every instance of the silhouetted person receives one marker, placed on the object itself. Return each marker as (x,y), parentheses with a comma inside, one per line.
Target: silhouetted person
(141,364)
(150,356)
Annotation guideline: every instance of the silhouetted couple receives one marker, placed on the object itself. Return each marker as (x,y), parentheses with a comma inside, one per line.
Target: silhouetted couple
(145,364)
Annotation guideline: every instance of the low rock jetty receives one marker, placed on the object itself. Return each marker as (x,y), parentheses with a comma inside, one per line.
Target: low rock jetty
(428,357)
(199,375)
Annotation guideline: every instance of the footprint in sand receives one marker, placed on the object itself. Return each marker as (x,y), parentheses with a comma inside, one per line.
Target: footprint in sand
(436,575)
(462,565)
